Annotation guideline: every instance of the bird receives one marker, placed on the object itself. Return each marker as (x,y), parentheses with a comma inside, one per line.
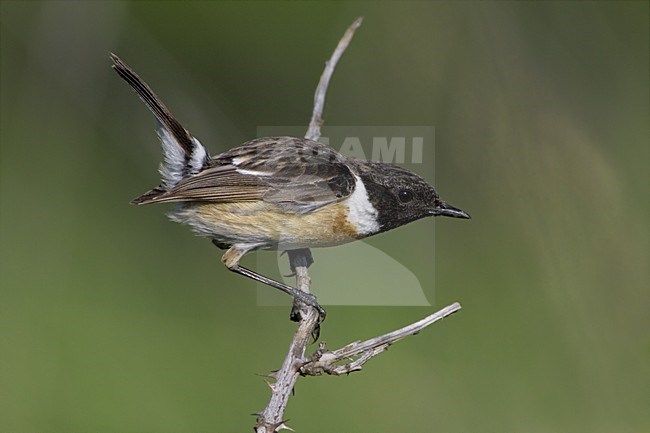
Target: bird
(279,193)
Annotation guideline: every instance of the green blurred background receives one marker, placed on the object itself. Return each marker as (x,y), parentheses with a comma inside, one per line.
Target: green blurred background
(113,319)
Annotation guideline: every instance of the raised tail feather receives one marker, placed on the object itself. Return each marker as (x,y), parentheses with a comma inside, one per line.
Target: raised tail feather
(183,154)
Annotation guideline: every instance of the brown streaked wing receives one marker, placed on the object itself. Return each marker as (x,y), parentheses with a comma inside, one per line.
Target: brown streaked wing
(312,188)
(298,174)
(303,174)
(148,196)
(217,184)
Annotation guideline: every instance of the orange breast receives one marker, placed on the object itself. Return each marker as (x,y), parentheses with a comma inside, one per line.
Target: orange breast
(257,221)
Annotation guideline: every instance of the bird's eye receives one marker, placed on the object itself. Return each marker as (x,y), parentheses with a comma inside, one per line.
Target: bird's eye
(405,195)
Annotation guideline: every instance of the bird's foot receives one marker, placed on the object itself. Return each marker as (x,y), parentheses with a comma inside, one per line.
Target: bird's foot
(301,300)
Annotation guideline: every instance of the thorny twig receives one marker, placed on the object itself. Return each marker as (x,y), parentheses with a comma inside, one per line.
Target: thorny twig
(325,361)
(271,419)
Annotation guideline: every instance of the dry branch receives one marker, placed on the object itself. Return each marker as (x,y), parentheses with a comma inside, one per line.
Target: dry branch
(271,419)
(325,361)
(313,133)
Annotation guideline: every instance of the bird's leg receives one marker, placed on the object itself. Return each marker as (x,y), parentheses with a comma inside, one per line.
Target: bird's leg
(301,257)
(231,260)
(298,295)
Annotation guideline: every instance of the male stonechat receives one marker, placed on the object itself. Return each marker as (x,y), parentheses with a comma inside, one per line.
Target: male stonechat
(279,192)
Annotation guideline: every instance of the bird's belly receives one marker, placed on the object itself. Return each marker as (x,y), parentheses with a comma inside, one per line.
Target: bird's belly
(263,223)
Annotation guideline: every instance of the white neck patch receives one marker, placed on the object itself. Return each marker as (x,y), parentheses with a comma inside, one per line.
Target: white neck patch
(361,213)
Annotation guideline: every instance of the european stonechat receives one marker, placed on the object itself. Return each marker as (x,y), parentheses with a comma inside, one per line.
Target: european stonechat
(279,192)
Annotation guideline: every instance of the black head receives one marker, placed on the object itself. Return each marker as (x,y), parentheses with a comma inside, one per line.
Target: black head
(401,196)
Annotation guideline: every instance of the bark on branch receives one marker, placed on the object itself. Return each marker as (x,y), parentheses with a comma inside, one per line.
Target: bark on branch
(359,352)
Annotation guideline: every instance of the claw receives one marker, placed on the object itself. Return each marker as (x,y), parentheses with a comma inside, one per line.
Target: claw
(315,334)
(307,300)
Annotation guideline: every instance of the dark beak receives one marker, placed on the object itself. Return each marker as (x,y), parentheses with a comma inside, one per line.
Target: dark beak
(448,210)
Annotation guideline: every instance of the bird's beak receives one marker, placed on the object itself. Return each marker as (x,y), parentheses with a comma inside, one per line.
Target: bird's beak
(448,210)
